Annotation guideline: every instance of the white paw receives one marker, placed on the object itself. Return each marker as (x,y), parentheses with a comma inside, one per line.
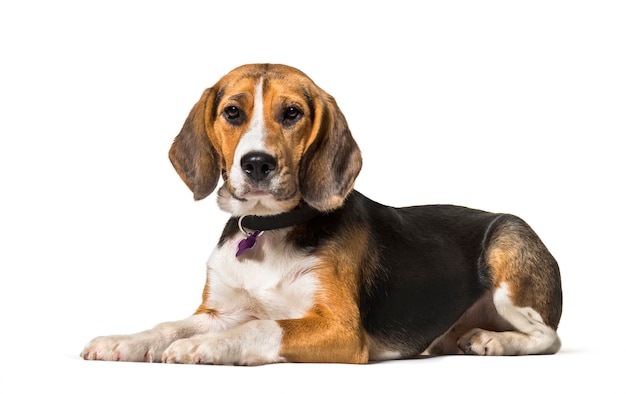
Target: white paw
(481,342)
(203,349)
(254,343)
(119,348)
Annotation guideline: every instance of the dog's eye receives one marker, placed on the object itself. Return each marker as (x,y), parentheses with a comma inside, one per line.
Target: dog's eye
(231,112)
(291,115)
(233,115)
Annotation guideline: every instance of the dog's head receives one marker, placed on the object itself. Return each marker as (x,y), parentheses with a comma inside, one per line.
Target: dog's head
(274,136)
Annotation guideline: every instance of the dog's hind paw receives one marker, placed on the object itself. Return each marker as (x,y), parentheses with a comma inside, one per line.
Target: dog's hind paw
(481,342)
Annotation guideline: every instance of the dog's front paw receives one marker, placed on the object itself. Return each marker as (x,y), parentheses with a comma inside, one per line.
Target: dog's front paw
(203,349)
(230,348)
(119,348)
(481,342)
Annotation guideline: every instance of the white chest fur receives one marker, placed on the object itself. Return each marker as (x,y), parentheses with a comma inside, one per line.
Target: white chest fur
(270,281)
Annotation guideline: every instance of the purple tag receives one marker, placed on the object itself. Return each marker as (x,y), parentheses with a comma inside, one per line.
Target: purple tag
(247,243)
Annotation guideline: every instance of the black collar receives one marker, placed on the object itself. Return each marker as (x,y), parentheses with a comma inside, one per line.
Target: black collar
(300,214)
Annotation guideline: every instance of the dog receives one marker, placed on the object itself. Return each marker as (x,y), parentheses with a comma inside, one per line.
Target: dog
(308,269)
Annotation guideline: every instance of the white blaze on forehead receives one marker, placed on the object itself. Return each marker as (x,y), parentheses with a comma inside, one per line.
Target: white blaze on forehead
(257,125)
(252,139)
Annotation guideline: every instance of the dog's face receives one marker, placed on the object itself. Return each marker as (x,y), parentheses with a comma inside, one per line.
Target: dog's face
(276,139)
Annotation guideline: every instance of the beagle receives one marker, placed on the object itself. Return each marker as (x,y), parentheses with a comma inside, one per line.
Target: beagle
(309,270)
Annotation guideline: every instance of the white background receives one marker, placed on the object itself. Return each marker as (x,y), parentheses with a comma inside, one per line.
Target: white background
(513,107)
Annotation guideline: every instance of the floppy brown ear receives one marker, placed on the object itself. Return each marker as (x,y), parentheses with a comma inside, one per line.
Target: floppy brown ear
(332,162)
(192,154)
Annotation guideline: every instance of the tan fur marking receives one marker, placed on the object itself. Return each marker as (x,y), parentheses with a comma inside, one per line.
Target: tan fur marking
(331,331)
(222,134)
(205,301)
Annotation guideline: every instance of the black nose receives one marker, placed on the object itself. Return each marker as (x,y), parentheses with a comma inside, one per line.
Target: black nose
(258,165)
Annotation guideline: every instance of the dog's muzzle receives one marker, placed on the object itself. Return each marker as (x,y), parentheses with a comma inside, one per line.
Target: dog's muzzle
(263,177)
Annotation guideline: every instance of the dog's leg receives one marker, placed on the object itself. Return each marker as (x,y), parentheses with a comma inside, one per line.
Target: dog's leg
(149,345)
(252,343)
(531,334)
(494,326)
(526,288)
(310,339)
